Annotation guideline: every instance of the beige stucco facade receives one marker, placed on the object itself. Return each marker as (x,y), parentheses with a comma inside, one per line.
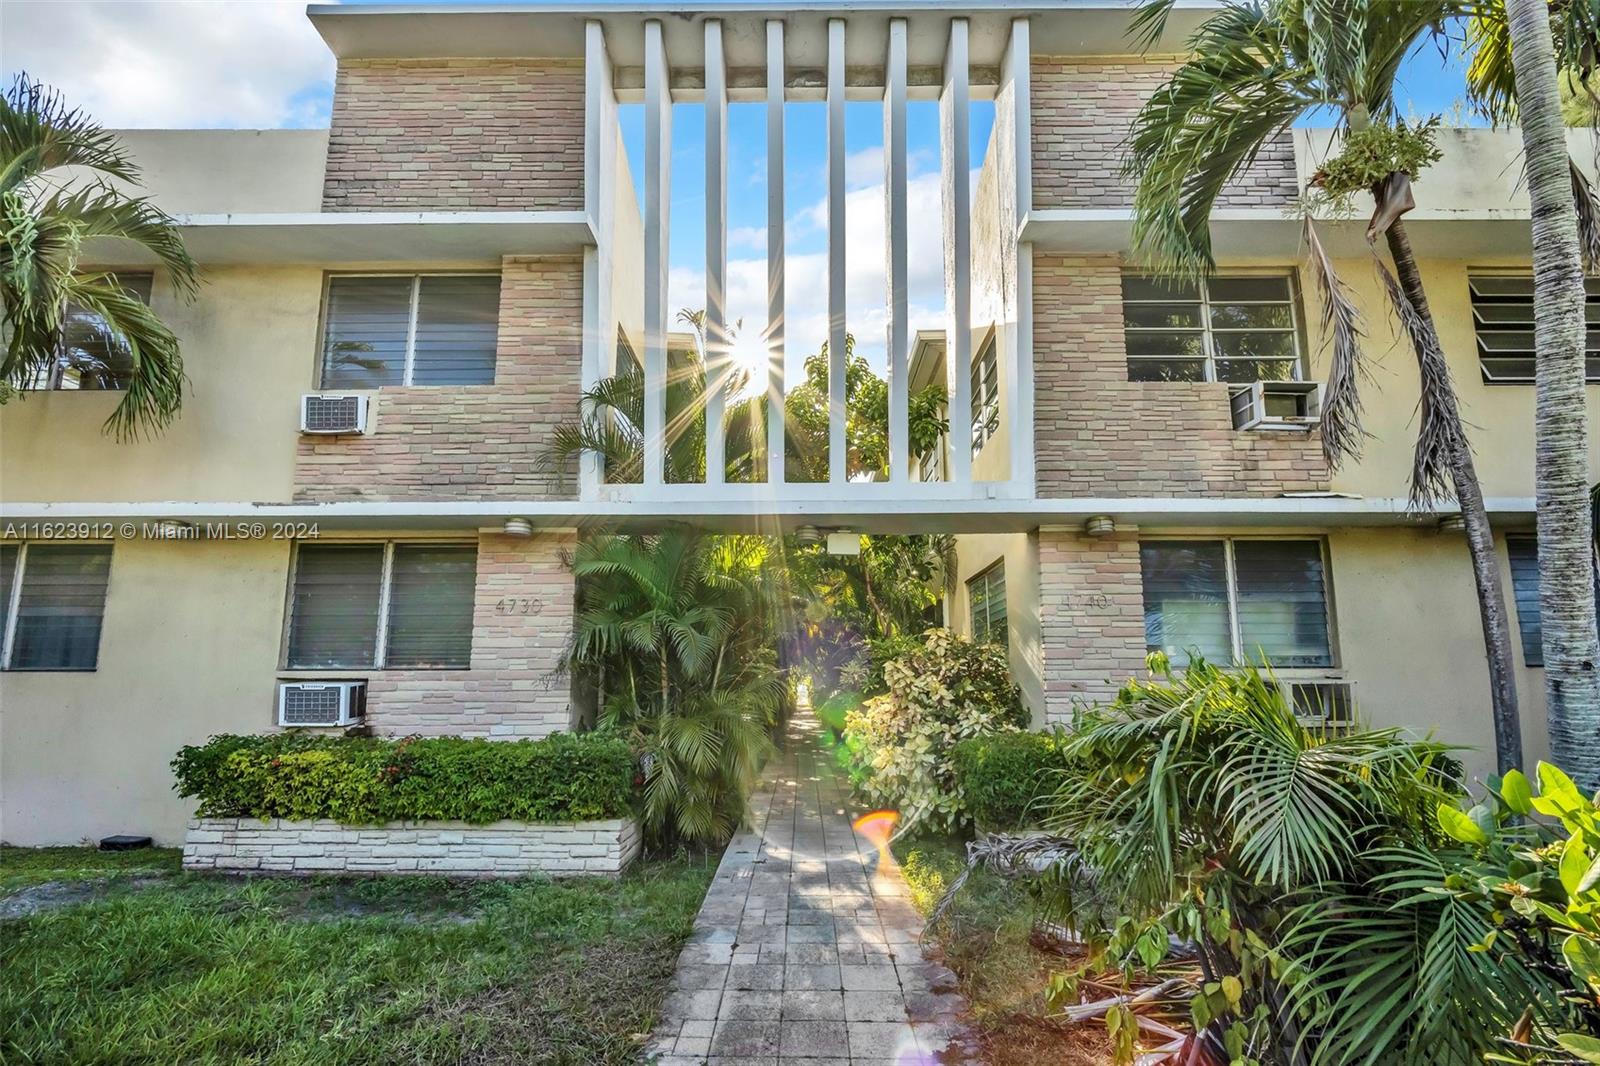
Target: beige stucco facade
(455,149)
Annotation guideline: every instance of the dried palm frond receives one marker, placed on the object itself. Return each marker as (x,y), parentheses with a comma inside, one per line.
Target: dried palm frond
(1342,432)
(1013,856)
(1588,208)
(1439,433)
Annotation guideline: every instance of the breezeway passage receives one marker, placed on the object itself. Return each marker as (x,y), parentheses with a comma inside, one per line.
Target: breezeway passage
(805,949)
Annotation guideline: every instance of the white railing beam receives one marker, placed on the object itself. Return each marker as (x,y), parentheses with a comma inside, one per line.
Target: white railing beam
(716,321)
(776,364)
(838,460)
(1019,368)
(899,340)
(657,201)
(955,194)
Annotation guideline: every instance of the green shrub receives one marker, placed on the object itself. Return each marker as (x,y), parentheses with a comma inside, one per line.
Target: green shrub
(945,691)
(1004,775)
(364,780)
(831,712)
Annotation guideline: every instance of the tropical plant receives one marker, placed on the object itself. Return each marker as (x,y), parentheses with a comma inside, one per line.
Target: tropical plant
(1255,70)
(674,634)
(1538,880)
(46,220)
(902,743)
(1200,811)
(1544,42)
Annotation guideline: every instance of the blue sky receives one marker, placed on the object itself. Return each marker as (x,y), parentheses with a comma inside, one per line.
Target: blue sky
(196,63)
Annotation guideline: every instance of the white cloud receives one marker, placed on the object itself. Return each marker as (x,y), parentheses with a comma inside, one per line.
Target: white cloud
(866,271)
(748,237)
(174,63)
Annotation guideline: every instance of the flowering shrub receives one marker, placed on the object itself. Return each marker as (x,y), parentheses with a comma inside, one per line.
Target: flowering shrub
(901,743)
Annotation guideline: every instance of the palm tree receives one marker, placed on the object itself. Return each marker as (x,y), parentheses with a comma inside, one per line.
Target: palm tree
(46,221)
(1256,70)
(675,633)
(1561,461)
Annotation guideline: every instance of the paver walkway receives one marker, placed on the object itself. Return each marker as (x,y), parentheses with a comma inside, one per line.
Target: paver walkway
(805,950)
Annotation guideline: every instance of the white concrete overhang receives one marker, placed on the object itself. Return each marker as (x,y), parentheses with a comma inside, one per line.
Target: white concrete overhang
(364,237)
(555,30)
(1263,233)
(759,513)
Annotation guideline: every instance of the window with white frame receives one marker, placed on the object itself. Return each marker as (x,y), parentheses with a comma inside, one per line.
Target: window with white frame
(985,395)
(88,357)
(986,603)
(1502,319)
(389,605)
(52,604)
(410,329)
(1236,329)
(1237,600)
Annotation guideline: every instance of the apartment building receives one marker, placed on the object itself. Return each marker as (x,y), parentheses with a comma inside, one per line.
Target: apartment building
(399,310)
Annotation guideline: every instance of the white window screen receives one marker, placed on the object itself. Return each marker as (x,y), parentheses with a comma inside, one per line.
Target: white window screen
(1502,319)
(986,601)
(1237,601)
(410,330)
(1234,329)
(338,601)
(57,597)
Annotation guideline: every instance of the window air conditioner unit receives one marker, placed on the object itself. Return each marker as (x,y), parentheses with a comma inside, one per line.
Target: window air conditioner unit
(321,703)
(1321,703)
(323,413)
(1276,405)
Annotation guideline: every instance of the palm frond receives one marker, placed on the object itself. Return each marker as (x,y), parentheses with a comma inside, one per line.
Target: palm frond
(1439,433)
(1341,422)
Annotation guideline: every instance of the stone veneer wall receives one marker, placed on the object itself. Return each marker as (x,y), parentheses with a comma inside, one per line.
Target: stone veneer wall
(1091,616)
(455,135)
(444,442)
(521,625)
(498,849)
(1082,112)
(1098,434)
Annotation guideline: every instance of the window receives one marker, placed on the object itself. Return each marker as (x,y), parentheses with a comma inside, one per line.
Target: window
(1237,601)
(1234,329)
(985,395)
(1502,318)
(1524,553)
(87,357)
(382,605)
(986,600)
(53,598)
(429,329)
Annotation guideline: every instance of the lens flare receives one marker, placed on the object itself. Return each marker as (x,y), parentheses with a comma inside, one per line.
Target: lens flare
(877,827)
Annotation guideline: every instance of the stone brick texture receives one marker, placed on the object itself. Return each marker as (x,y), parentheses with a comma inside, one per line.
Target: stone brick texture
(1099,434)
(1083,109)
(451,849)
(472,441)
(521,627)
(1091,616)
(456,135)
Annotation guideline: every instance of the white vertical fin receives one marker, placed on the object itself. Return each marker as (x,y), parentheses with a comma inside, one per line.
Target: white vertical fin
(894,165)
(955,182)
(775,253)
(657,181)
(838,465)
(1019,58)
(716,324)
(599,140)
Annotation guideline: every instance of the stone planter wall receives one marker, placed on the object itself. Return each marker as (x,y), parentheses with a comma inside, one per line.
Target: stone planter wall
(454,849)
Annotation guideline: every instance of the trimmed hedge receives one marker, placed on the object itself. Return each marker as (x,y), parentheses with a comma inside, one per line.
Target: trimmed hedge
(1004,774)
(365,780)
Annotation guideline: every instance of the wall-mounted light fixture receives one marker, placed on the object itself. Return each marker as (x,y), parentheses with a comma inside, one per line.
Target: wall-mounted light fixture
(517,527)
(808,535)
(1100,525)
(1452,523)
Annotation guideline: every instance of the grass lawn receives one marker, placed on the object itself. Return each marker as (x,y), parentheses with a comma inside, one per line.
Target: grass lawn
(126,959)
(987,939)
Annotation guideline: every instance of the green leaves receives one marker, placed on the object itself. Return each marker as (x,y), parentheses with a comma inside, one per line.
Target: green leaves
(1517,792)
(1458,825)
(1587,1048)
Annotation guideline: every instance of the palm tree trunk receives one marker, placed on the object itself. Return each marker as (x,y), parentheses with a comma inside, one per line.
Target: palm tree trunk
(1561,458)
(1480,537)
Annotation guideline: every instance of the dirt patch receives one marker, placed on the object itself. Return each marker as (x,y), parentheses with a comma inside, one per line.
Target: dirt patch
(54,895)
